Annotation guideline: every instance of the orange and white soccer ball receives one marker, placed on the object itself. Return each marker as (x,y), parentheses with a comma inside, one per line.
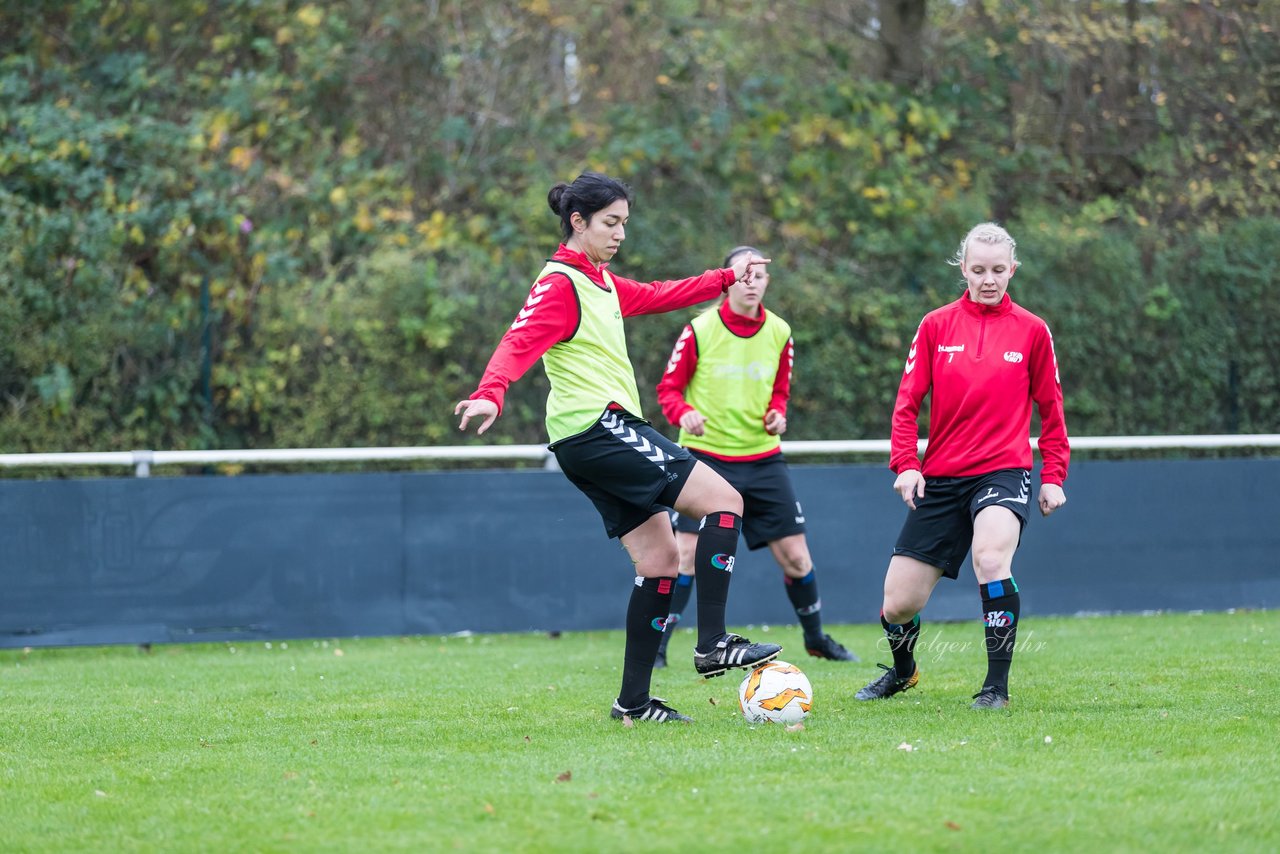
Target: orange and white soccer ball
(777,693)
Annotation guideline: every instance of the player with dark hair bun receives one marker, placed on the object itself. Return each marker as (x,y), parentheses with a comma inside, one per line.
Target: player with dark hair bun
(572,320)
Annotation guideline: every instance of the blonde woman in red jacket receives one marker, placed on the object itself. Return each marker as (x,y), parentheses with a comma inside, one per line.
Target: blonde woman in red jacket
(983,361)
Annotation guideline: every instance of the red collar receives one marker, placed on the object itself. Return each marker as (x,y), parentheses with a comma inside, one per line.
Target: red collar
(740,324)
(579,261)
(979,310)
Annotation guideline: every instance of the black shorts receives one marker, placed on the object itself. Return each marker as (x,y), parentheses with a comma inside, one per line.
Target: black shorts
(629,470)
(940,530)
(770,510)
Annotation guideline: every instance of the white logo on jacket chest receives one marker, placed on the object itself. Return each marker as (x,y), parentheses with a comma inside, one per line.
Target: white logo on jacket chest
(1013,356)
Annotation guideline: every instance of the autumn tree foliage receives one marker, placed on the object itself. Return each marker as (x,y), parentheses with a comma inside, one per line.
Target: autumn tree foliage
(283,224)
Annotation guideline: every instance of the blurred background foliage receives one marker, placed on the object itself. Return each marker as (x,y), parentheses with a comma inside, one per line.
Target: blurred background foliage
(266,223)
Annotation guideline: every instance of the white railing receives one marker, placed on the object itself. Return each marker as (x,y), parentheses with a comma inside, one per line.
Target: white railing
(142,461)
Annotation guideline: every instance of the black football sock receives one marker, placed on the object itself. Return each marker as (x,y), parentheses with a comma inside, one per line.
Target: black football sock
(1001,607)
(713,565)
(679,601)
(646,615)
(803,593)
(902,643)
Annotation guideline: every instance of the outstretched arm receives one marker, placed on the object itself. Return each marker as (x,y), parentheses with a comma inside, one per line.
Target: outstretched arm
(656,297)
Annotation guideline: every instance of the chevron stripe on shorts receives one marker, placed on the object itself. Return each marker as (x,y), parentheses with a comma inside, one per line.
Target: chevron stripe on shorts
(612,422)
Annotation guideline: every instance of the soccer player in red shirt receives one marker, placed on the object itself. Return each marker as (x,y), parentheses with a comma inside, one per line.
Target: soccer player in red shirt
(573,321)
(984,361)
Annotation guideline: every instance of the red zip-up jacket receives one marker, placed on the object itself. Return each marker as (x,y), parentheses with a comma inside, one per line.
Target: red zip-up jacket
(684,362)
(982,366)
(551,315)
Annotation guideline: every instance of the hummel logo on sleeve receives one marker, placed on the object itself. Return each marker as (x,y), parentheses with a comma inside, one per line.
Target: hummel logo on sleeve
(911,356)
(535,297)
(679,349)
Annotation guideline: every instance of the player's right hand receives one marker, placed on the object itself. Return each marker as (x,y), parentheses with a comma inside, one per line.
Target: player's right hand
(742,268)
(476,408)
(693,422)
(910,485)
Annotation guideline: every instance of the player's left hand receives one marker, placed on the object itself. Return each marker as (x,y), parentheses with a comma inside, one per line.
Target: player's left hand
(1051,498)
(775,423)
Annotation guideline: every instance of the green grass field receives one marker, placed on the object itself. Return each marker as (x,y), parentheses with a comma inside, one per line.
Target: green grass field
(1125,734)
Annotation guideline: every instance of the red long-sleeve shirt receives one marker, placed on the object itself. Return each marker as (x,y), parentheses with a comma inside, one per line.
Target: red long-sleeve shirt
(551,314)
(684,363)
(983,367)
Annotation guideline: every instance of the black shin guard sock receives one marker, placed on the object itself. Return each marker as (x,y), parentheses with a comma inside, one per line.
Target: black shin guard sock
(803,593)
(646,616)
(1001,607)
(713,565)
(679,601)
(902,643)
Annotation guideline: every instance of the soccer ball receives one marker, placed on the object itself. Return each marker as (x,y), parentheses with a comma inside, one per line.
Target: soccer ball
(777,693)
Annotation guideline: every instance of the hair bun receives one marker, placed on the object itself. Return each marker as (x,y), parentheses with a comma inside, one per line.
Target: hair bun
(555,197)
